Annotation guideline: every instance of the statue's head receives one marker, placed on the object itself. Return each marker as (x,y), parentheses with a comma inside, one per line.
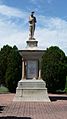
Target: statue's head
(32,13)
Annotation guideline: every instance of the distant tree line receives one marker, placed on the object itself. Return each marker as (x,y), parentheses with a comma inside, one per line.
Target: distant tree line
(54,68)
(10,67)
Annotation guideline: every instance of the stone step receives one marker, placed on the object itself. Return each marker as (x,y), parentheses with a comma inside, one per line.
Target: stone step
(31,90)
(31,84)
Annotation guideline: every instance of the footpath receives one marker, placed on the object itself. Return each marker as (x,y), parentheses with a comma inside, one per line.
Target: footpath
(56,109)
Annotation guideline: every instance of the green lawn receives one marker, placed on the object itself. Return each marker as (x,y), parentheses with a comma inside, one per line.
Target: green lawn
(3,89)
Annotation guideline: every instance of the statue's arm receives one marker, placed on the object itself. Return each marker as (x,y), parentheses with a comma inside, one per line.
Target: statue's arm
(35,19)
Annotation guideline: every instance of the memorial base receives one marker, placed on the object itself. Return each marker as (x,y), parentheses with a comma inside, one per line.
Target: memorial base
(31,90)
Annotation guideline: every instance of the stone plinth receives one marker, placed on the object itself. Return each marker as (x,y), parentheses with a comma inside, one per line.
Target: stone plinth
(32,42)
(31,90)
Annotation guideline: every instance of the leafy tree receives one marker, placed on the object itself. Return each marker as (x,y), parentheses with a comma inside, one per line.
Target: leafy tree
(13,72)
(54,69)
(10,67)
(4,53)
(66,64)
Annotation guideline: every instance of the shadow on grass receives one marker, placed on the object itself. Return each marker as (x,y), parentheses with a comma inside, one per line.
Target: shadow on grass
(58,97)
(14,117)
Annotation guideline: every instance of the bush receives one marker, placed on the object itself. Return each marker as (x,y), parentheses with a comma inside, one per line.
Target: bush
(3,89)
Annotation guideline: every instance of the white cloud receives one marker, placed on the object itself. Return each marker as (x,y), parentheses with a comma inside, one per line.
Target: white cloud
(49,38)
(53,31)
(53,23)
(11,34)
(49,31)
(17,38)
(9,11)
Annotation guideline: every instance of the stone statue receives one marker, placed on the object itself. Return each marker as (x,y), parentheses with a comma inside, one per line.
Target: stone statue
(32,21)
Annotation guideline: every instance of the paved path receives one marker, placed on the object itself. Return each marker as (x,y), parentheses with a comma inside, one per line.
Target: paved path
(34,110)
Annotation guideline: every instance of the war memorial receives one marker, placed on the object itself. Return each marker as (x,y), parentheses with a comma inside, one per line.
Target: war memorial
(31,87)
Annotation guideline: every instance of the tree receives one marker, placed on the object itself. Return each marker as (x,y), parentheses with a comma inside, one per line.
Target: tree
(13,72)
(66,64)
(54,69)
(4,53)
(10,67)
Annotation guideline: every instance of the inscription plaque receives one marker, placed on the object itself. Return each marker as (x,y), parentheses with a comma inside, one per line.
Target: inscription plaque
(32,69)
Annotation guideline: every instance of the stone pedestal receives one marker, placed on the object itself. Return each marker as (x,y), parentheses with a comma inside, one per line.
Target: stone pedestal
(31,87)
(31,90)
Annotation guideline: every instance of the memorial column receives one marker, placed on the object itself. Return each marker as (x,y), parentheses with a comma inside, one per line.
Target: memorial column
(23,73)
(39,70)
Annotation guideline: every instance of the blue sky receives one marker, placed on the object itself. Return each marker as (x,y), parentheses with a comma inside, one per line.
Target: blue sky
(51,27)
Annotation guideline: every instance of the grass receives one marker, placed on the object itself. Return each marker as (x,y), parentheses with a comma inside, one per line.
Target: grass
(3,90)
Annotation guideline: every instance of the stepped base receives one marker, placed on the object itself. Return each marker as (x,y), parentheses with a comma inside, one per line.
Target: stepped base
(31,90)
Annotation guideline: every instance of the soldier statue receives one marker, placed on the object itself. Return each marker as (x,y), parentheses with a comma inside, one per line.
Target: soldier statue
(32,21)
